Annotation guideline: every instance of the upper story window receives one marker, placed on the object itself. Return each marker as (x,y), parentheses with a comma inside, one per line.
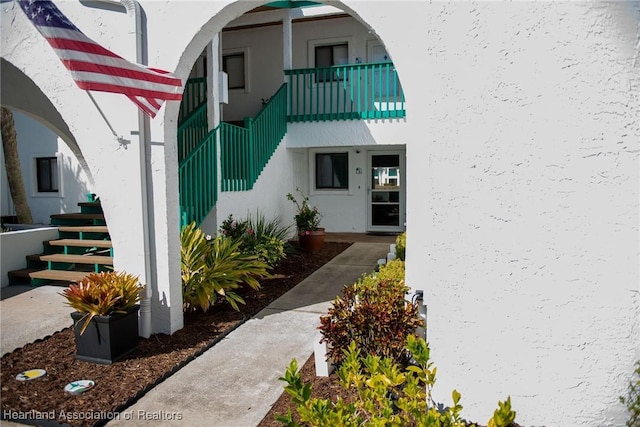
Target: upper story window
(47,174)
(332,171)
(328,56)
(234,64)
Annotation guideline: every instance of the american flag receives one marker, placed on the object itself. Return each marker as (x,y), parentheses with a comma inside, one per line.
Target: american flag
(95,68)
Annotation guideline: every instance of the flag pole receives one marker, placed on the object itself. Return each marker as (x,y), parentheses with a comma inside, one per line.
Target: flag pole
(120,139)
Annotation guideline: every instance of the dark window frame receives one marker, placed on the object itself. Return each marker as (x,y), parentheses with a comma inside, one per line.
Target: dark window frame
(47,175)
(225,58)
(338,159)
(324,76)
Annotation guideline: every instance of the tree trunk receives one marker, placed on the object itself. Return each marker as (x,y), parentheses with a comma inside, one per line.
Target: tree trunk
(14,171)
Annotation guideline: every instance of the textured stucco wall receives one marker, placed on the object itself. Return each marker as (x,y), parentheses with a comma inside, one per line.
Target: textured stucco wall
(523,204)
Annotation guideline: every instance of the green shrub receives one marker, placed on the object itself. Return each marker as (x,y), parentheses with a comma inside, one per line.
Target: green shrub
(266,239)
(212,268)
(385,394)
(632,399)
(374,314)
(401,244)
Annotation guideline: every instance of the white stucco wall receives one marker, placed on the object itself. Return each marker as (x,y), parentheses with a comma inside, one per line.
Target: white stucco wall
(523,203)
(35,140)
(16,245)
(267,197)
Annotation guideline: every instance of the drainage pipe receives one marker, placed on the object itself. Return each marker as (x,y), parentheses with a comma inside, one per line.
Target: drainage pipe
(134,11)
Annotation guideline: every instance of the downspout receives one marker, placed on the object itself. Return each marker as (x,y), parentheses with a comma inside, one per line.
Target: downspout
(133,10)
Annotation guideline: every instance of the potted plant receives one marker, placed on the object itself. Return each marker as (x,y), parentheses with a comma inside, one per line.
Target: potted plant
(310,235)
(105,322)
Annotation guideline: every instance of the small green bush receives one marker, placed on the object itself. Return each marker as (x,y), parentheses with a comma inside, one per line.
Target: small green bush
(632,399)
(266,239)
(385,394)
(212,268)
(401,244)
(374,314)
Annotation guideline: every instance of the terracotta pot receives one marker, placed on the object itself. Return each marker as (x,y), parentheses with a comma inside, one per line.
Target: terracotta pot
(311,240)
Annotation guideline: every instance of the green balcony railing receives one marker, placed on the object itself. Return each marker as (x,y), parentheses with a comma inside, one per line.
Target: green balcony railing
(193,97)
(245,151)
(343,92)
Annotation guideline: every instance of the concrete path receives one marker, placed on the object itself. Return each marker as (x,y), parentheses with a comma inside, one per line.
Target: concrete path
(32,315)
(236,381)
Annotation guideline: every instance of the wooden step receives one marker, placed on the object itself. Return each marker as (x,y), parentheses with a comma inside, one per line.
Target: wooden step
(78,216)
(82,243)
(78,259)
(90,204)
(83,228)
(59,275)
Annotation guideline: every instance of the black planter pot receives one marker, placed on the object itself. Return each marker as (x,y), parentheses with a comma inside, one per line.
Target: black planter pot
(107,338)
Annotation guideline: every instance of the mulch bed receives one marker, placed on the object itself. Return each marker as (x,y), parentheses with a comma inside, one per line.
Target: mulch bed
(119,385)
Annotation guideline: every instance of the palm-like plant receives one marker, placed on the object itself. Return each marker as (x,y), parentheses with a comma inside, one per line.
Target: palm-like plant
(213,268)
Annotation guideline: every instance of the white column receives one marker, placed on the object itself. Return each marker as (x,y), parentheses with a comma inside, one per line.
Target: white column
(213,88)
(287,49)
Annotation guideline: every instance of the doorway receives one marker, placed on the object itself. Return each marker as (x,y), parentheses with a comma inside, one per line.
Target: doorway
(386,191)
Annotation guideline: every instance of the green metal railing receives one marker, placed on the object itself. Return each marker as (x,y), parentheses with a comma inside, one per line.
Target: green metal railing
(192,131)
(246,150)
(198,181)
(193,97)
(343,92)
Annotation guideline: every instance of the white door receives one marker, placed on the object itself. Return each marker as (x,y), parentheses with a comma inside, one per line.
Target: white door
(386,200)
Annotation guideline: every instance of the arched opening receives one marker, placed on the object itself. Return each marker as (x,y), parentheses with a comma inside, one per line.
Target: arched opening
(338,93)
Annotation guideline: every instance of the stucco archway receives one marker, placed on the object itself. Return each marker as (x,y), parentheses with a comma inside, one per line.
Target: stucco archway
(19,92)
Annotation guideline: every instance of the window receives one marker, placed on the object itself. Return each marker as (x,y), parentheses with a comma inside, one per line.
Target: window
(328,56)
(234,65)
(47,174)
(332,171)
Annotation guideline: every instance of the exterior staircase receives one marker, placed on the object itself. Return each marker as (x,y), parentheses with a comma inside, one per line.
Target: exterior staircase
(83,247)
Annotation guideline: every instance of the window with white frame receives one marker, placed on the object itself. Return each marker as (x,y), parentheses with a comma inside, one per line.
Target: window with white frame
(234,64)
(332,171)
(47,174)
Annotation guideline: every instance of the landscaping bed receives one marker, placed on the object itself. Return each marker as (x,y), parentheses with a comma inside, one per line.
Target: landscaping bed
(119,385)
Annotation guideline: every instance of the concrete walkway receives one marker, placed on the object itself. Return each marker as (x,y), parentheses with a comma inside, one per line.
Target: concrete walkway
(236,381)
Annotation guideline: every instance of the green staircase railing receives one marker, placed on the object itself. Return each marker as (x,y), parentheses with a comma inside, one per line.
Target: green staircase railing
(193,97)
(343,92)
(192,131)
(198,180)
(245,152)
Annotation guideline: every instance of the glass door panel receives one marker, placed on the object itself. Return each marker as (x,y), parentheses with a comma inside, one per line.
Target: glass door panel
(385,208)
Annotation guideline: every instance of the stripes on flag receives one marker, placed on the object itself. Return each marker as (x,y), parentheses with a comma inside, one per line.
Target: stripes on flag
(95,68)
